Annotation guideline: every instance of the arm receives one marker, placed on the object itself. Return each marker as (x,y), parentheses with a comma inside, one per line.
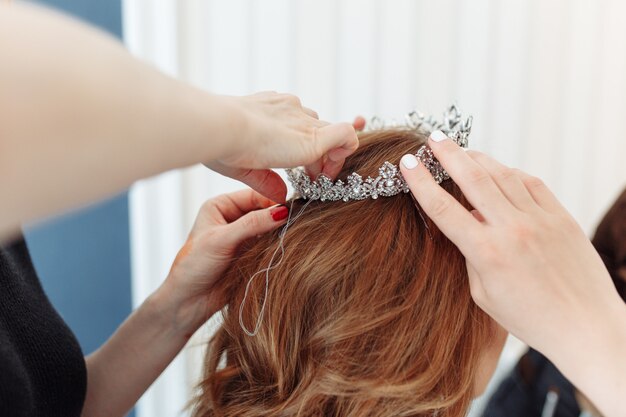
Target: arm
(132,359)
(81,119)
(591,356)
(531,267)
(145,344)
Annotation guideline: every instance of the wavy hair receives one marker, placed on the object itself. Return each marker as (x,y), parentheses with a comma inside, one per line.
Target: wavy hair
(369,313)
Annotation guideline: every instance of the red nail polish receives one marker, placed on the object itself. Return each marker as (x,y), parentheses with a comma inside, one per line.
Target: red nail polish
(279,213)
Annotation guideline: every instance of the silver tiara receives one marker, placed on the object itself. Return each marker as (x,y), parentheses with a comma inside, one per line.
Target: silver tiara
(389,181)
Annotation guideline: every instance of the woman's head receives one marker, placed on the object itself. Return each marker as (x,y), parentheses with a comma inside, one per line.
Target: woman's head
(368,314)
(610,242)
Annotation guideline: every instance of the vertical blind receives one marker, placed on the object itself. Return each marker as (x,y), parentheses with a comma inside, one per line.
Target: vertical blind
(545,82)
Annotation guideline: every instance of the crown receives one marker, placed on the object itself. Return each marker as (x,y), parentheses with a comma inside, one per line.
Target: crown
(389,181)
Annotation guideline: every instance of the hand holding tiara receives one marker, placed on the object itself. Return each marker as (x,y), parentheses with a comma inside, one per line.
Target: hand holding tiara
(389,181)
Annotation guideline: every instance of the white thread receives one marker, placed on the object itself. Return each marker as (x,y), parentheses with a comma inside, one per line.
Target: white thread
(281,248)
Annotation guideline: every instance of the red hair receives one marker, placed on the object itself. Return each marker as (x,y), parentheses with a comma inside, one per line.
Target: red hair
(369,313)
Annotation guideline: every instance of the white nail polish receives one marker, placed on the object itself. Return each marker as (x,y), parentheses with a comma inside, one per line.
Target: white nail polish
(409,161)
(438,136)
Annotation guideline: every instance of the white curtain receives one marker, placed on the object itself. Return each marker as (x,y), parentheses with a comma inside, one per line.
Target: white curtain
(544,80)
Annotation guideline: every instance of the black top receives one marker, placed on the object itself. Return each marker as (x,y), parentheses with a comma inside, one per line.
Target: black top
(524,391)
(42,368)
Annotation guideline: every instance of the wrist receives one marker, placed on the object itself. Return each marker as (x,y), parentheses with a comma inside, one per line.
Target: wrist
(218,122)
(228,127)
(177,313)
(593,360)
(200,126)
(602,327)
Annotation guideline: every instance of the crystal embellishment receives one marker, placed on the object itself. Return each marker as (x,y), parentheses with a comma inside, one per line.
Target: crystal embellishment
(389,181)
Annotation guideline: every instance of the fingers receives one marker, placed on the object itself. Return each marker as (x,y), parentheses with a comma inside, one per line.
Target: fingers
(332,162)
(265,181)
(359,123)
(540,192)
(507,180)
(449,215)
(475,182)
(332,168)
(233,206)
(292,101)
(333,143)
(337,140)
(521,189)
(315,168)
(325,166)
(478,216)
(256,223)
(311,112)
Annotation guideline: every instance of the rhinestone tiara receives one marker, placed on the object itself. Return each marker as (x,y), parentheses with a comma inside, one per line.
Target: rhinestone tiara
(389,181)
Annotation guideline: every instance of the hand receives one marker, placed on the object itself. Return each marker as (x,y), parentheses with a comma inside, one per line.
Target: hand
(276,131)
(223,223)
(530,265)
(328,167)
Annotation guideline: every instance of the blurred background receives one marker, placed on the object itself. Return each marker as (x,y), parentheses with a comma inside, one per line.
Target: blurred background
(544,80)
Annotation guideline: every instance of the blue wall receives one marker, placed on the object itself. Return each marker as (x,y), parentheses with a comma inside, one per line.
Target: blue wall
(83,259)
(83,262)
(106,14)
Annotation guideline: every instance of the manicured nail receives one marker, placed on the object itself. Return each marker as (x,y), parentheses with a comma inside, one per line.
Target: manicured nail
(279,213)
(409,161)
(438,136)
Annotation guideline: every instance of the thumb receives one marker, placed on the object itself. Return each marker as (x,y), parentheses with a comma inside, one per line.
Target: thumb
(256,223)
(337,140)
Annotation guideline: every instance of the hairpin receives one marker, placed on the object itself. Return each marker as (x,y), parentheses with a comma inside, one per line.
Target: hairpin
(389,181)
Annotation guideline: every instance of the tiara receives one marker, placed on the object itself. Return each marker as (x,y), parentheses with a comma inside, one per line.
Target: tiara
(389,181)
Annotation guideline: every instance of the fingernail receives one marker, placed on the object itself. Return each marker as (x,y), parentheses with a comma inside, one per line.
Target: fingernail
(409,161)
(279,213)
(438,136)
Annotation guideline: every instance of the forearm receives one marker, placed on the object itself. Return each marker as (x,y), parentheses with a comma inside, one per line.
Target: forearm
(593,358)
(137,353)
(81,119)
